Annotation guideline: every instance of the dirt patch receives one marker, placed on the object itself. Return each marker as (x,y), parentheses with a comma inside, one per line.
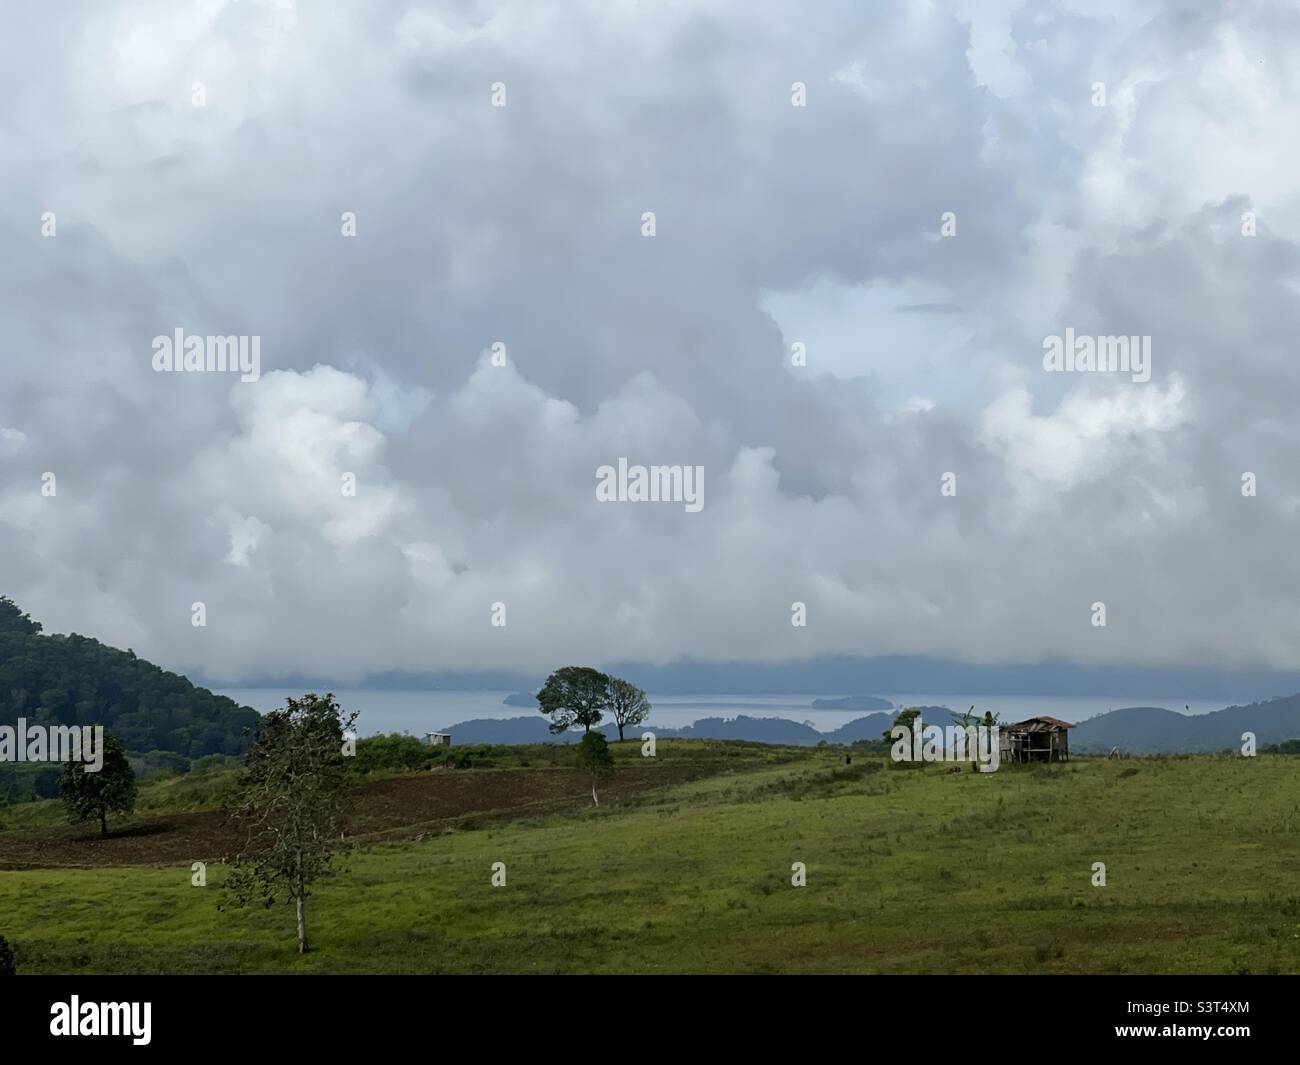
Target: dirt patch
(407,807)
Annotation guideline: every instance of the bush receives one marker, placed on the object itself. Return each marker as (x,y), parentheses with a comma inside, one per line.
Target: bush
(393,752)
(7,964)
(213,761)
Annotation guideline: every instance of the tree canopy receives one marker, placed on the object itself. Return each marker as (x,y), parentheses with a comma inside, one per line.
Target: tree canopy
(74,680)
(627,703)
(290,803)
(574,695)
(580,695)
(595,759)
(93,796)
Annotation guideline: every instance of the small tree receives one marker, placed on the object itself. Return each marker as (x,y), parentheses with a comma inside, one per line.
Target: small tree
(964,722)
(7,965)
(907,718)
(594,758)
(911,720)
(290,802)
(627,703)
(574,695)
(90,796)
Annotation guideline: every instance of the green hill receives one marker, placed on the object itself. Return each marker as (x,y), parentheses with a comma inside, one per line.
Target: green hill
(74,680)
(922,871)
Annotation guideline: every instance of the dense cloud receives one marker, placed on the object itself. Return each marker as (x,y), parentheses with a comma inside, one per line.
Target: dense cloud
(775,224)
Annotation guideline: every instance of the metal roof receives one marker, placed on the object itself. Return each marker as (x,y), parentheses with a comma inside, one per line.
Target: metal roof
(1037,724)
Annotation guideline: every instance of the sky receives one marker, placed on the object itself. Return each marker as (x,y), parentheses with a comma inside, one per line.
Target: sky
(913,196)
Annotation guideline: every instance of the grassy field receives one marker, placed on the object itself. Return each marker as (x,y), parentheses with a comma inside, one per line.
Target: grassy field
(907,871)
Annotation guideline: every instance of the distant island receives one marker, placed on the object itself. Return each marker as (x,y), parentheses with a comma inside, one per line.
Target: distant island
(527,699)
(849,702)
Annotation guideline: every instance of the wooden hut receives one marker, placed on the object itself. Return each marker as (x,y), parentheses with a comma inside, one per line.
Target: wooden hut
(1036,739)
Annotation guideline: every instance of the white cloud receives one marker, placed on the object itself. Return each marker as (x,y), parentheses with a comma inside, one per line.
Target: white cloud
(475,482)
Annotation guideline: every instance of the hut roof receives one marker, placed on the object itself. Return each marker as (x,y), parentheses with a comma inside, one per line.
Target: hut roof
(1038,724)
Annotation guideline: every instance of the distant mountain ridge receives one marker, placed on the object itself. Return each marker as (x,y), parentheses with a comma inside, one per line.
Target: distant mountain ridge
(1135,730)
(776,730)
(75,680)
(1151,730)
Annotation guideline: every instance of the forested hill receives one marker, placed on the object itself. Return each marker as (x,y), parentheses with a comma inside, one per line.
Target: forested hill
(73,680)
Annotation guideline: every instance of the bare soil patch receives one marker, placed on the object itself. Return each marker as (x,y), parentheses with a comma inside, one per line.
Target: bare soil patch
(405,807)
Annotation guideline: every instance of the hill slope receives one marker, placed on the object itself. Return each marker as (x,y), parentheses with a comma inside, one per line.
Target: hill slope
(74,680)
(907,872)
(1149,729)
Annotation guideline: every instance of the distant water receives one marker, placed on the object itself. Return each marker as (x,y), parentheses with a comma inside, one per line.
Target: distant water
(418,712)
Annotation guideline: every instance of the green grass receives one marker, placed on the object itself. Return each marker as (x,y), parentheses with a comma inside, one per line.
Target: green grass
(204,790)
(209,789)
(908,871)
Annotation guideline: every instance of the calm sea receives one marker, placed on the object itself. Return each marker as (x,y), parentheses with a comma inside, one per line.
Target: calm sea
(418,712)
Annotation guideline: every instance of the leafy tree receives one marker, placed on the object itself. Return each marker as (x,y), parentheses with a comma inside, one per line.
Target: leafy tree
(7,964)
(12,618)
(906,718)
(911,720)
(594,758)
(627,703)
(289,800)
(964,721)
(574,695)
(89,796)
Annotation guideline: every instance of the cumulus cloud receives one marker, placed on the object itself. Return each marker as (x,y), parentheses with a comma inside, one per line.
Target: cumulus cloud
(499,328)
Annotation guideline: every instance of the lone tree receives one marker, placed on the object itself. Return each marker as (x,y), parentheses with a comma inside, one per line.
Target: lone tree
(7,965)
(908,719)
(594,758)
(911,720)
(290,803)
(574,695)
(965,722)
(627,703)
(90,796)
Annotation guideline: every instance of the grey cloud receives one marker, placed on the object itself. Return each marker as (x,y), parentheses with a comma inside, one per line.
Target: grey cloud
(521,225)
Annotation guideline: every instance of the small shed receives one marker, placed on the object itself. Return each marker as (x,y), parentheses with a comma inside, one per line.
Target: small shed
(437,739)
(1036,739)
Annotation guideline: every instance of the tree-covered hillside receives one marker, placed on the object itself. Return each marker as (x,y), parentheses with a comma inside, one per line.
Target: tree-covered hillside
(74,680)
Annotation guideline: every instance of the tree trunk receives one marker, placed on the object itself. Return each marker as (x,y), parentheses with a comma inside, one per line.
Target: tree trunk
(620,732)
(593,793)
(103,823)
(302,920)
